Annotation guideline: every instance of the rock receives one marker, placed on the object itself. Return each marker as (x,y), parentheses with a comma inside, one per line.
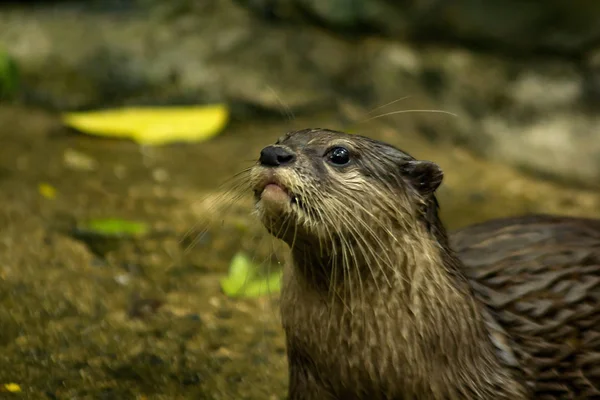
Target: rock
(77,57)
(533,113)
(375,15)
(554,26)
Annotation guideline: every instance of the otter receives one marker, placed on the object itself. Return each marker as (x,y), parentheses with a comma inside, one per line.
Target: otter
(375,303)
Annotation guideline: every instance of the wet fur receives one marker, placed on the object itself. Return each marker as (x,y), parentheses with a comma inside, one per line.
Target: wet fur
(539,275)
(375,304)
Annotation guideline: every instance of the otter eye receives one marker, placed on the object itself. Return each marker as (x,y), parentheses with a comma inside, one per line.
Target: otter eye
(339,156)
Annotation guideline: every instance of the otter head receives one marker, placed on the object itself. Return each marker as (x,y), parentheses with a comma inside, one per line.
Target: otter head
(317,186)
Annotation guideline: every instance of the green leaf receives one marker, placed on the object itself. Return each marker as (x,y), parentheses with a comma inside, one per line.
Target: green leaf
(114,227)
(8,75)
(242,280)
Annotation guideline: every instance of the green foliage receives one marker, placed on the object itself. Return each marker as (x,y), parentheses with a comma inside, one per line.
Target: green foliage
(114,228)
(243,280)
(9,77)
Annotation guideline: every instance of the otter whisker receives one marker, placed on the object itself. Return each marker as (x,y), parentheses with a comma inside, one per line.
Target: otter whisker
(389,104)
(331,239)
(410,111)
(339,258)
(287,110)
(357,203)
(350,261)
(371,257)
(364,250)
(356,272)
(368,252)
(240,174)
(332,244)
(223,207)
(233,188)
(373,234)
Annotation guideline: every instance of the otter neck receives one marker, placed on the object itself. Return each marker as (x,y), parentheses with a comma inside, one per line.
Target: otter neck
(423,301)
(398,261)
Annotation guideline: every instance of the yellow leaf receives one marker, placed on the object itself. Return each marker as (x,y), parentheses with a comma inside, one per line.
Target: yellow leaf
(153,125)
(12,387)
(47,191)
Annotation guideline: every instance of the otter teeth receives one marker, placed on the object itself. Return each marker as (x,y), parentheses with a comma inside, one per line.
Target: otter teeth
(297,201)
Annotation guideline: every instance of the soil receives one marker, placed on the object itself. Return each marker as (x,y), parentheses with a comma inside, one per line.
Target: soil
(144,318)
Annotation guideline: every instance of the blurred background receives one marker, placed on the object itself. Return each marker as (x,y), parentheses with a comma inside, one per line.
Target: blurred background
(128,271)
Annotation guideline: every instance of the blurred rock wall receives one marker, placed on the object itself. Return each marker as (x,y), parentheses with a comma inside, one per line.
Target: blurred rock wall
(523,77)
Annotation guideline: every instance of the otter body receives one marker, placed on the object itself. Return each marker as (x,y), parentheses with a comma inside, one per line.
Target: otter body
(376,304)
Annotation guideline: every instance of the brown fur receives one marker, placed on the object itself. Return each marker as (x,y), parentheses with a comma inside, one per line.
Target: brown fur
(375,304)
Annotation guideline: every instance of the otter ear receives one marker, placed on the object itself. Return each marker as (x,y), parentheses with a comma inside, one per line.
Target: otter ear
(425,176)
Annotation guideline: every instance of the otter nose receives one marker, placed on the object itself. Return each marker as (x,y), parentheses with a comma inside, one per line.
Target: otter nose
(274,156)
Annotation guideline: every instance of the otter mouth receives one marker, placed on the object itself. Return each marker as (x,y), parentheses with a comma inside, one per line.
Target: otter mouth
(273,191)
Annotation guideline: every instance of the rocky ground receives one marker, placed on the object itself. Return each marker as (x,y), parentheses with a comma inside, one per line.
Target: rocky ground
(145,318)
(524,79)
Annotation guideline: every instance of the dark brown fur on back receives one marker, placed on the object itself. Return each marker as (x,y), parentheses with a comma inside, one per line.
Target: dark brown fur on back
(376,304)
(540,277)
